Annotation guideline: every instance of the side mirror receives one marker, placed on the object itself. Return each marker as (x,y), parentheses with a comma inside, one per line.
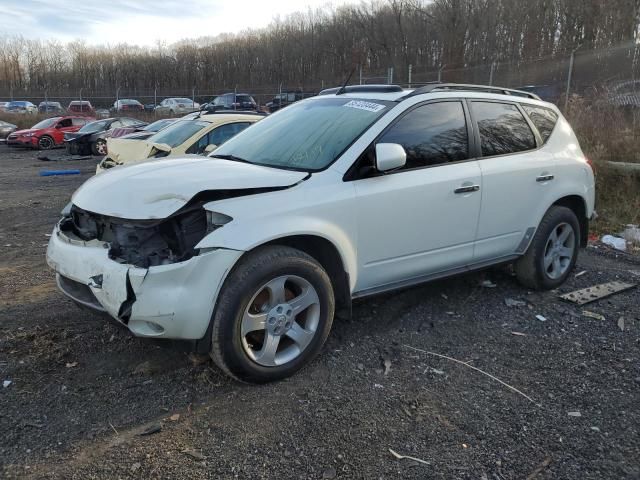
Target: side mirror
(390,156)
(210,148)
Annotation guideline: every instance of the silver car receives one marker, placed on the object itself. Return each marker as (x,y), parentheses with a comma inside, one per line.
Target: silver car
(6,129)
(177,106)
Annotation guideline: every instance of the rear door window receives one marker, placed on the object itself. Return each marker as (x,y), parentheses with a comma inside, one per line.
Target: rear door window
(502,128)
(543,118)
(432,134)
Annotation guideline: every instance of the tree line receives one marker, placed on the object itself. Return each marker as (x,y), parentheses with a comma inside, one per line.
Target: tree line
(323,45)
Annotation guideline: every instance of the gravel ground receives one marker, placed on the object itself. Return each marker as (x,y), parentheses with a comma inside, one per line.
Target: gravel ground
(83,391)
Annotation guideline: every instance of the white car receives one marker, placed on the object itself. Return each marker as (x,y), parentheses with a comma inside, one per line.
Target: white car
(176,106)
(362,190)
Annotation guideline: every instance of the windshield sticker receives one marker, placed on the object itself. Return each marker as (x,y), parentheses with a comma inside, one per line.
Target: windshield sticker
(368,106)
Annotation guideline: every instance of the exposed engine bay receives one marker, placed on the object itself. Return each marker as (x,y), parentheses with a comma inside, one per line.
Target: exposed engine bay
(143,243)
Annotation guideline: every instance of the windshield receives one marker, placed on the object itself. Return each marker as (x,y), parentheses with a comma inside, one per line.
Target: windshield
(308,135)
(158,125)
(178,133)
(94,126)
(48,123)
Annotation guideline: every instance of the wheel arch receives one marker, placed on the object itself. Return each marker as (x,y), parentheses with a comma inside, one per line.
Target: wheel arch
(578,205)
(329,257)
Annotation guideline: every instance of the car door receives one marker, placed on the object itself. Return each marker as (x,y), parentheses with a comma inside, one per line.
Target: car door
(64,125)
(515,177)
(420,219)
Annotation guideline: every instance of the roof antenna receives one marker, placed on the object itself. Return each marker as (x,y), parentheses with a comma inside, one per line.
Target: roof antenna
(343,88)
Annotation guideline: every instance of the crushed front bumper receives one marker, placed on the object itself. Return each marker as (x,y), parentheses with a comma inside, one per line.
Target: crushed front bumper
(172,301)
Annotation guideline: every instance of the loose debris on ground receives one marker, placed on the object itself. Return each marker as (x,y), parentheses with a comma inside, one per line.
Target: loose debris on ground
(339,416)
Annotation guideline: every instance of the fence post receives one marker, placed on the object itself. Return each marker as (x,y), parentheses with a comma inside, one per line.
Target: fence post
(440,73)
(155,100)
(493,66)
(117,96)
(569,75)
(410,70)
(80,94)
(390,75)
(11,93)
(360,73)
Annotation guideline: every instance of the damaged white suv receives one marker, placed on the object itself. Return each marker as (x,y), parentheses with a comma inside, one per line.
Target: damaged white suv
(361,190)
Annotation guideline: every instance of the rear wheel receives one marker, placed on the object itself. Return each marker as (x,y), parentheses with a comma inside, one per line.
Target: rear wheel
(99,147)
(273,315)
(46,143)
(553,251)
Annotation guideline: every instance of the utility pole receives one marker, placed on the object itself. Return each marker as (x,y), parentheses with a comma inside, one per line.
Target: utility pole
(569,75)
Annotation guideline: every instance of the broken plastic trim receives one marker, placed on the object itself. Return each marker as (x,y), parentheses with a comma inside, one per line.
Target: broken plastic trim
(148,243)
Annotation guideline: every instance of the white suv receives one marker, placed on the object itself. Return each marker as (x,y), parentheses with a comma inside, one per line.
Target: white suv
(361,190)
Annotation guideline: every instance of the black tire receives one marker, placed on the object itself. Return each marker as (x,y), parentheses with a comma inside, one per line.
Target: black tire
(530,268)
(97,145)
(45,142)
(241,286)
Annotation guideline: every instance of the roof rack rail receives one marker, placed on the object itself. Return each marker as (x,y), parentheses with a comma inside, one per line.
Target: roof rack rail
(477,88)
(363,89)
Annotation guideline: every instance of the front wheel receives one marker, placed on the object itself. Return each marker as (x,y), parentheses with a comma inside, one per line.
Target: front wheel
(273,315)
(553,251)
(99,147)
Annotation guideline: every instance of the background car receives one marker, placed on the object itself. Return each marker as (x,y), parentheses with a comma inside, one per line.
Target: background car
(286,98)
(127,105)
(92,138)
(81,107)
(142,132)
(232,101)
(21,107)
(149,107)
(48,133)
(176,106)
(548,93)
(3,106)
(50,107)
(102,113)
(6,129)
(195,136)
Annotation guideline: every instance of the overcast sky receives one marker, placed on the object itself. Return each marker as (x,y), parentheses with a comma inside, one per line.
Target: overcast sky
(142,22)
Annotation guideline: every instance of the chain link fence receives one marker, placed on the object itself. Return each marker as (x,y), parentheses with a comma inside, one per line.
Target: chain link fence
(610,73)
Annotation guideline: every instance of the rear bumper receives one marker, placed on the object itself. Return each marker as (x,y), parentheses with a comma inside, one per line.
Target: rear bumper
(170,301)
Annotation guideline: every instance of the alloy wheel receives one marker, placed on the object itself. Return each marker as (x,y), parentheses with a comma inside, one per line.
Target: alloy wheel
(280,321)
(559,250)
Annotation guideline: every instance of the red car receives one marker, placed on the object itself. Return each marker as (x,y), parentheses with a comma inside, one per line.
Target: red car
(48,133)
(81,107)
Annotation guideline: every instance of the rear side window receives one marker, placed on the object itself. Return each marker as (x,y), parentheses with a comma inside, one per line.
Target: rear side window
(543,118)
(432,134)
(502,128)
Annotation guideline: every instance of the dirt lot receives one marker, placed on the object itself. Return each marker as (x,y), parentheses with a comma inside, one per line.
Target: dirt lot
(83,390)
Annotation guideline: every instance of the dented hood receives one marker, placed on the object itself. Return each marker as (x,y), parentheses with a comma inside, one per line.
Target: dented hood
(158,189)
(122,150)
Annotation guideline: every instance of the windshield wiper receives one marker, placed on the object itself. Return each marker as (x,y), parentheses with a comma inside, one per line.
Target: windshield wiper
(231,157)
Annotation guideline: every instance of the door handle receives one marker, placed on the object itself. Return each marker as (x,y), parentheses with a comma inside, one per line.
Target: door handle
(544,178)
(467,189)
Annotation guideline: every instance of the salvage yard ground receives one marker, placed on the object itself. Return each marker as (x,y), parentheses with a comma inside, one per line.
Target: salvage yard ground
(79,392)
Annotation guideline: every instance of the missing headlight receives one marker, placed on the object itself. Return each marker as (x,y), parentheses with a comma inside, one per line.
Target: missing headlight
(143,243)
